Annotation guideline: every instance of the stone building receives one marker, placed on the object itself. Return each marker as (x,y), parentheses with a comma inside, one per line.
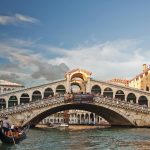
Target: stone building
(123,82)
(76,117)
(6,86)
(142,80)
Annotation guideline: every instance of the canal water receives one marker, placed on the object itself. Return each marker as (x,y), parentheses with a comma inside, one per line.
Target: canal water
(92,139)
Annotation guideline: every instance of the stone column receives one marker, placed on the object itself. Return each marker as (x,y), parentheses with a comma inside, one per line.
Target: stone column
(88,85)
(30,95)
(2,89)
(42,93)
(74,118)
(7,103)
(80,119)
(114,93)
(89,118)
(94,118)
(125,96)
(18,99)
(68,83)
(148,101)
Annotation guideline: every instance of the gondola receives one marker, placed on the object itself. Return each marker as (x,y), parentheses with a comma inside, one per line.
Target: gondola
(13,139)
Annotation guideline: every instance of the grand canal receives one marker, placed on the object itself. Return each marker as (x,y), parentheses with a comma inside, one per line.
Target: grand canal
(92,139)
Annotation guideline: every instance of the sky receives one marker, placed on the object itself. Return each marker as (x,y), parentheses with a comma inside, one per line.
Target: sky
(41,40)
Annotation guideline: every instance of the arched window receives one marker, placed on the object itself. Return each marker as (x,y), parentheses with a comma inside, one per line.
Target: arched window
(13,101)
(78,119)
(91,118)
(147,88)
(96,89)
(120,95)
(131,98)
(108,92)
(48,92)
(2,103)
(143,100)
(4,90)
(87,118)
(75,88)
(82,119)
(36,96)
(60,89)
(8,89)
(24,98)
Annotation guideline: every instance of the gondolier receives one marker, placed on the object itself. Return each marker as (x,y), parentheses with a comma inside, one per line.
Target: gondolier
(6,125)
(12,135)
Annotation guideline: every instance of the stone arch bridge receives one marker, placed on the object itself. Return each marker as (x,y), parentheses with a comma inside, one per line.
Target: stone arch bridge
(115,111)
(82,79)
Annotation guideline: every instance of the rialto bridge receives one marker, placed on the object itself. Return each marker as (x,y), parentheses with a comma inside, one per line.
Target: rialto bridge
(119,105)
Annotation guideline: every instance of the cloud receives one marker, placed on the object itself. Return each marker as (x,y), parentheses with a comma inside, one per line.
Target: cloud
(120,58)
(32,67)
(50,72)
(12,77)
(37,63)
(4,20)
(23,18)
(17,18)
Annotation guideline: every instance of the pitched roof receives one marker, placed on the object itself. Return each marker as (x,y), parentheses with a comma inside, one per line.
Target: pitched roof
(79,69)
(8,83)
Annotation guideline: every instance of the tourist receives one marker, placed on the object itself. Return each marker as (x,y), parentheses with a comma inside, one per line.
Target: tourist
(12,127)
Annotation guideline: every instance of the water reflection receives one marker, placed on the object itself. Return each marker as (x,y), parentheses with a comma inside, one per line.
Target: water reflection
(95,139)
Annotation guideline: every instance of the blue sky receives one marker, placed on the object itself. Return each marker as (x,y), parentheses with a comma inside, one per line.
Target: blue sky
(40,40)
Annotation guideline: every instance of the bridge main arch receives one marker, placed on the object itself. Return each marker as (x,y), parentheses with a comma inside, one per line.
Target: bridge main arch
(111,115)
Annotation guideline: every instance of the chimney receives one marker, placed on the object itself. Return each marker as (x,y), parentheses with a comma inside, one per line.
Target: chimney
(144,67)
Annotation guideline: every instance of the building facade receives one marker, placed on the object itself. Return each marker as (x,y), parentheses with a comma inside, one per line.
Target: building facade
(75,117)
(142,80)
(123,82)
(6,86)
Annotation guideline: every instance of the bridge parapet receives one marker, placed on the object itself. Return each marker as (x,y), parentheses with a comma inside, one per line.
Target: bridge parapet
(136,114)
(55,100)
(122,104)
(31,105)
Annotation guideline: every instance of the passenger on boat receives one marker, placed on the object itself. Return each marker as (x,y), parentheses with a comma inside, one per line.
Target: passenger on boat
(6,125)
(12,127)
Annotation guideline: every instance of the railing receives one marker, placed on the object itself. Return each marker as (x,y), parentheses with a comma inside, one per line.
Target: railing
(79,98)
(122,104)
(31,105)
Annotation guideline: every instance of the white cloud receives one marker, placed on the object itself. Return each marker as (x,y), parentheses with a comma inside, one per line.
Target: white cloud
(5,20)
(122,58)
(23,18)
(26,64)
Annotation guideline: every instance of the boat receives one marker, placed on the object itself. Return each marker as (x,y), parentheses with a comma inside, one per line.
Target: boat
(63,126)
(53,126)
(13,139)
